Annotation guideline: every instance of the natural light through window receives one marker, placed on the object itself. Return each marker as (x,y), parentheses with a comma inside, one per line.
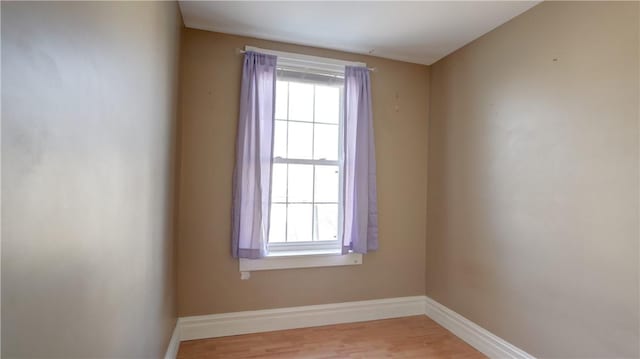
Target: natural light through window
(305,209)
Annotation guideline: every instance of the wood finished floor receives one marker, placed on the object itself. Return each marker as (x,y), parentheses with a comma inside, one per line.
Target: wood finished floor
(409,337)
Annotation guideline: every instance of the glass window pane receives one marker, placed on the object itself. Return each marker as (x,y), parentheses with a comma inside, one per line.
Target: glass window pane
(326,222)
(280,139)
(326,184)
(278,223)
(299,223)
(281,99)
(300,183)
(279,183)
(326,142)
(327,104)
(300,140)
(300,102)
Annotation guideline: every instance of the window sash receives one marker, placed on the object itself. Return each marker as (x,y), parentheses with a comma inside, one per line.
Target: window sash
(316,245)
(304,246)
(301,161)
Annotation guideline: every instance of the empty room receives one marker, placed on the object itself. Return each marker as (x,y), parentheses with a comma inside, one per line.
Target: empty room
(305,179)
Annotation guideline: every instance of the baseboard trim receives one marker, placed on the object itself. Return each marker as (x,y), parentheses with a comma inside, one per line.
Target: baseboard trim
(257,321)
(476,336)
(174,343)
(219,325)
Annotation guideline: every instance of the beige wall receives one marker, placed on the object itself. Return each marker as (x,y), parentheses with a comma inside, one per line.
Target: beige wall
(208,278)
(533,180)
(88,117)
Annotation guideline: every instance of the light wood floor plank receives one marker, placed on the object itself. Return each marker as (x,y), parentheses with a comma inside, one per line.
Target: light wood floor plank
(409,337)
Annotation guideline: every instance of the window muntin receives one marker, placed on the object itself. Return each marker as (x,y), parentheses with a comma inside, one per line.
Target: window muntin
(307,166)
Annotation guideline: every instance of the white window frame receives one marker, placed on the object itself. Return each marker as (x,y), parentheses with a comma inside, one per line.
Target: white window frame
(280,248)
(307,254)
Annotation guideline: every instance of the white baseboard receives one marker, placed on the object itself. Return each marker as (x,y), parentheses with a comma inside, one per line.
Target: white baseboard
(476,336)
(218,325)
(174,343)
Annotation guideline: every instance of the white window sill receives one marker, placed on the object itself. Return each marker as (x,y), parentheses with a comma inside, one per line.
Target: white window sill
(298,259)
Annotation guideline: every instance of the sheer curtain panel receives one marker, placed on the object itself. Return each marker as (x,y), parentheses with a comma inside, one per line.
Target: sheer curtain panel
(254,148)
(360,233)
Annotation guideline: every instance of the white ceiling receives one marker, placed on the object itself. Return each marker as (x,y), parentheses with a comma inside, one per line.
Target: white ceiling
(419,32)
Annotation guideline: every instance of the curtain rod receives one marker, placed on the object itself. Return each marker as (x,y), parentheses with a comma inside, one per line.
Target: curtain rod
(372,69)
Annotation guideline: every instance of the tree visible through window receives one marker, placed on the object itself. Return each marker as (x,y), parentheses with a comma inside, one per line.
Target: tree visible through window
(306,176)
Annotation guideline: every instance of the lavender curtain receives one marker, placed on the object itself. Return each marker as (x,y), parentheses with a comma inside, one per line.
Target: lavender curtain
(254,149)
(360,232)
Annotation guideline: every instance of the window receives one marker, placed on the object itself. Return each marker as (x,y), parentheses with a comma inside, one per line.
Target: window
(307,165)
(306,194)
